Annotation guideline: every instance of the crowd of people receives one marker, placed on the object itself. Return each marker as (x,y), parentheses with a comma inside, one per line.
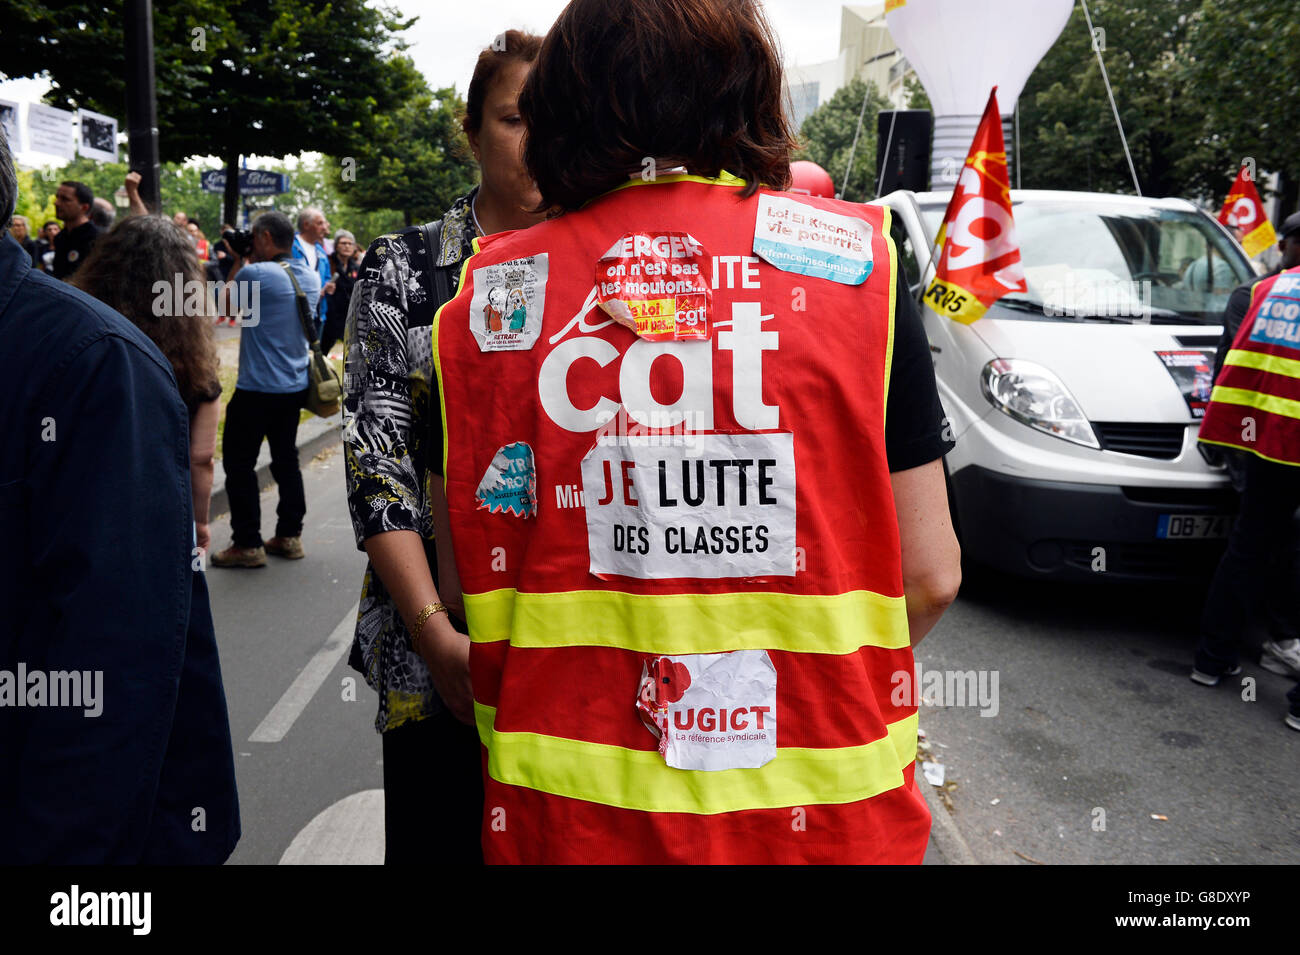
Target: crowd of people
(462,429)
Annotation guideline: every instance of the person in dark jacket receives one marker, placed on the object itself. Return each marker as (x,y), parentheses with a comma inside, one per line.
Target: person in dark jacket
(114,742)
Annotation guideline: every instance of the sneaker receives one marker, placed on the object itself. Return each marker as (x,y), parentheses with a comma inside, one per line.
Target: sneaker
(288,547)
(1293,720)
(234,556)
(1212,679)
(1279,659)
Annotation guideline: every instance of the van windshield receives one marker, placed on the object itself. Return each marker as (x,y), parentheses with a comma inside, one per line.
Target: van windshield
(1119,262)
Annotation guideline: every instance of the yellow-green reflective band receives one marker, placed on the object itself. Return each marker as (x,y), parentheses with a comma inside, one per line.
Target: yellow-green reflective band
(1286,407)
(1270,363)
(641,780)
(690,623)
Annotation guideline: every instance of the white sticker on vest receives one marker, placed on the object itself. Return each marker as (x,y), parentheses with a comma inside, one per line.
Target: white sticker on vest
(696,505)
(711,710)
(505,313)
(797,237)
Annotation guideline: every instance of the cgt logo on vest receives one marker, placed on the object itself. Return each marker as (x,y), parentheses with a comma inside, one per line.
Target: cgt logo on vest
(742,335)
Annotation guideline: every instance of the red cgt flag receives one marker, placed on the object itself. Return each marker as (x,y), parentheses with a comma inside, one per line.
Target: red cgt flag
(1243,211)
(979,258)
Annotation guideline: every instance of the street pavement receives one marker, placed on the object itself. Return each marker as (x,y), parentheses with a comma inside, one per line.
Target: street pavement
(1097,728)
(1102,750)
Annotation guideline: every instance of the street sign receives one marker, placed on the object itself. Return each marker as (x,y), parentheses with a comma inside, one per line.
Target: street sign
(252,182)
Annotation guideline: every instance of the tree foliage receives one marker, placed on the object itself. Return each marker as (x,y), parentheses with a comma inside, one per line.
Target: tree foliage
(828,133)
(271,77)
(1199,84)
(416,161)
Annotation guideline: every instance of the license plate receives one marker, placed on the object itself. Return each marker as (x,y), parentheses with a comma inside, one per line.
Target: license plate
(1193,526)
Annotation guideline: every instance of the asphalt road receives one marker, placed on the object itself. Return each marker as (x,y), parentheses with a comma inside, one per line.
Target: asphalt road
(283,631)
(1096,723)
(1098,731)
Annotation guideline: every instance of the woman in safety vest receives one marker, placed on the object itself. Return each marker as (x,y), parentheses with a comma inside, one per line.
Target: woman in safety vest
(694,557)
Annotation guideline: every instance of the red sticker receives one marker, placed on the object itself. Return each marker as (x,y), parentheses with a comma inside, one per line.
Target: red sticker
(653,283)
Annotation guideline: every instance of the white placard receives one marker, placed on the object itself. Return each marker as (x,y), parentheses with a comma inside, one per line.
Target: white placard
(9,116)
(97,136)
(696,505)
(51,130)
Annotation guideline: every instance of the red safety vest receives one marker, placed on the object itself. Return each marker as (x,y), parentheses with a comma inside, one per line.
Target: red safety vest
(1255,404)
(755,514)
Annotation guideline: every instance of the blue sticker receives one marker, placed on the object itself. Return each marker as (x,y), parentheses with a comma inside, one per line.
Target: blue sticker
(796,237)
(1278,320)
(510,484)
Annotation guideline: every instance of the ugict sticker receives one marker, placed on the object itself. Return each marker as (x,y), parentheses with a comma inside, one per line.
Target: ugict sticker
(510,484)
(505,313)
(653,283)
(800,238)
(711,711)
(695,505)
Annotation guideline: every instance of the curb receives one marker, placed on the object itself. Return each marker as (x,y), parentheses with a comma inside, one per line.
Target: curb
(314,436)
(944,834)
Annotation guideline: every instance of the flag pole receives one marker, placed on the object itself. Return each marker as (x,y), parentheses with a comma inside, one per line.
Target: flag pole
(1096,48)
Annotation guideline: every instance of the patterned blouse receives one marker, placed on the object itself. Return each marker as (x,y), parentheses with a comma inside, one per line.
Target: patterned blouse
(392,442)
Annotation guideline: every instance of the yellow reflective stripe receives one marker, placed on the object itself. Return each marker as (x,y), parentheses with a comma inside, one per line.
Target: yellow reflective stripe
(724,179)
(1287,407)
(885,226)
(1270,363)
(690,623)
(437,355)
(1243,447)
(641,780)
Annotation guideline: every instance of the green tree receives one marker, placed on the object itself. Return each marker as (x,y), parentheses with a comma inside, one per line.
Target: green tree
(828,133)
(1069,138)
(416,161)
(271,77)
(1243,60)
(917,98)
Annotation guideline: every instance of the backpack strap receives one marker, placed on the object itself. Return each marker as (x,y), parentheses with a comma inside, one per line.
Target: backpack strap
(304,311)
(436,282)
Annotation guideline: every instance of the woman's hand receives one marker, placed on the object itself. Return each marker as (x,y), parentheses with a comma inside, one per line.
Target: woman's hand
(446,654)
(203,537)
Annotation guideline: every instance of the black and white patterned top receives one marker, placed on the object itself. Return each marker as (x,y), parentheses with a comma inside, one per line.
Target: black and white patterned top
(392,441)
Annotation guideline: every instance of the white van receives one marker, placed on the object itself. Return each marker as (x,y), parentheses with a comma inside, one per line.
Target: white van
(1076,405)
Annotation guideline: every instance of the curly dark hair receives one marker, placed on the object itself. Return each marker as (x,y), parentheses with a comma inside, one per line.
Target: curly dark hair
(686,82)
(121,271)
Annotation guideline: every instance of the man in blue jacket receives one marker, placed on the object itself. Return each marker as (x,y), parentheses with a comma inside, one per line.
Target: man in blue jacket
(309,247)
(114,738)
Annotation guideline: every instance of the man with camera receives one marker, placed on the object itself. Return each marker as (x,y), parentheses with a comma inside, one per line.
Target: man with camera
(273,355)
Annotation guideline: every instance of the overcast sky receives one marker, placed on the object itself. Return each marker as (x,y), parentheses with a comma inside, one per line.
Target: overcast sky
(445,42)
(444,45)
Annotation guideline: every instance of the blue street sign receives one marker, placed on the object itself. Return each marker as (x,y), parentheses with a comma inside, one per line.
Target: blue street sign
(252,182)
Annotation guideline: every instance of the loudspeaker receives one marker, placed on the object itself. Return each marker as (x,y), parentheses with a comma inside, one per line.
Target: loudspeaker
(907,164)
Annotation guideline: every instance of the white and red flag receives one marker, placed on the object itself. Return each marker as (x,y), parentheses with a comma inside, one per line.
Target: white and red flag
(1243,211)
(979,258)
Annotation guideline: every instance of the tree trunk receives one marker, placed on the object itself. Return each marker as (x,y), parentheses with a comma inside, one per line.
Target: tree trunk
(230,206)
(406,214)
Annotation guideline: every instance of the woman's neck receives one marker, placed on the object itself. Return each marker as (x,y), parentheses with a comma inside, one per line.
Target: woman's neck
(495,214)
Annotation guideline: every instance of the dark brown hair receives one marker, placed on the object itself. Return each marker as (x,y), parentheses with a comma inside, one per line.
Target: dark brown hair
(513,46)
(121,270)
(685,82)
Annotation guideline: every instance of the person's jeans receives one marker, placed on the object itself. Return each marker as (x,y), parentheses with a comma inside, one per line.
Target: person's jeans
(433,793)
(251,417)
(1258,572)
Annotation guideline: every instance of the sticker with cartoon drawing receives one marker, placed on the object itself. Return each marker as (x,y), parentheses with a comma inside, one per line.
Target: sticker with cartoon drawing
(509,299)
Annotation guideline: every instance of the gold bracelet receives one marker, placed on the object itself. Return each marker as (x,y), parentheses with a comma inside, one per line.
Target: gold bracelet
(425,614)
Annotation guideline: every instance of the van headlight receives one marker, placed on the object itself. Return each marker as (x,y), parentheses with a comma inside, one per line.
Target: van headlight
(1034,396)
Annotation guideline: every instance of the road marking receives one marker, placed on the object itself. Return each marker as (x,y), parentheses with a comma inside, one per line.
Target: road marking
(350,832)
(282,716)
